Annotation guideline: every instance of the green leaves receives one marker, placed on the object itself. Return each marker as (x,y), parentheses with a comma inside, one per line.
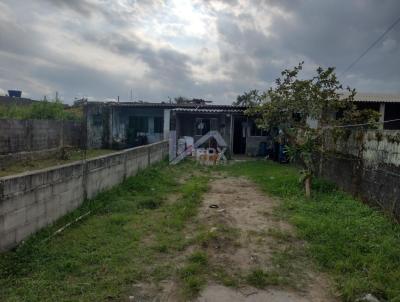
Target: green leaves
(40,110)
(250,98)
(294,101)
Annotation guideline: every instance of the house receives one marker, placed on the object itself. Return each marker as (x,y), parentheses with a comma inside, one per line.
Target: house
(388,105)
(129,124)
(121,125)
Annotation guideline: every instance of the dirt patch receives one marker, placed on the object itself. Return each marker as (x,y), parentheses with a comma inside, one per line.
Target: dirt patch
(263,242)
(252,255)
(239,207)
(224,294)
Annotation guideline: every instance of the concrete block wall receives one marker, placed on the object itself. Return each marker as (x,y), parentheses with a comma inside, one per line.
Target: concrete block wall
(366,164)
(31,139)
(97,124)
(33,200)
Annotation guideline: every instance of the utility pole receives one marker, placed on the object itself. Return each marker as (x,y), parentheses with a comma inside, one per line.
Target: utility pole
(131,95)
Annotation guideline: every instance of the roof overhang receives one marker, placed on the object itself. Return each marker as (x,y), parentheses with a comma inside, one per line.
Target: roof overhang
(375,97)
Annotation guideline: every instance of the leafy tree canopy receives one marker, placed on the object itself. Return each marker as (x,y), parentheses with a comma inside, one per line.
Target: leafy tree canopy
(250,98)
(293,102)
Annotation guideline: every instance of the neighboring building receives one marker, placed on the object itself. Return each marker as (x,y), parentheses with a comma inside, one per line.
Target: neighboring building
(14,98)
(128,124)
(121,125)
(388,105)
(11,101)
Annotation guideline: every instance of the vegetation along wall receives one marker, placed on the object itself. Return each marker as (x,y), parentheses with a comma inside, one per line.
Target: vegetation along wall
(30,139)
(367,164)
(32,200)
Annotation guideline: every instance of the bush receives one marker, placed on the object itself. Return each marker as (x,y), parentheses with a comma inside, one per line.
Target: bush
(43,110)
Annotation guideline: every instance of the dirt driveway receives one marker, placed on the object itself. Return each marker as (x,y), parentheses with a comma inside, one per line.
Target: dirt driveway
(265,250)
(239,250)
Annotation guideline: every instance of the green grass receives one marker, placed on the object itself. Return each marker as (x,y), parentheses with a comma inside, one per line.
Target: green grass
(131,236)
(261,279)
(193,274)
(48,110)
(357,245)
(30,165)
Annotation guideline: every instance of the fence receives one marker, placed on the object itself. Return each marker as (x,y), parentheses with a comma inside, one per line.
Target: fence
(367,164)
(30,201)
(31,139)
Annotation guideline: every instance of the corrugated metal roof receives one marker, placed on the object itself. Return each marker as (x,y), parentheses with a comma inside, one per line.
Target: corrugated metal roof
(376,97)
(168,105)
(209,110)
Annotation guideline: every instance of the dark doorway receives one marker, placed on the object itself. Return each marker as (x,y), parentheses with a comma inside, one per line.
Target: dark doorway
(136,132)
(239,135)
(392,112)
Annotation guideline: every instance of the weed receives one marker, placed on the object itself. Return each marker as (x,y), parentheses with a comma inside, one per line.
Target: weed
(199,258)
(280,235)
(220,234)
(261,279)
(193,274)
(193,285)
(356,244)
(149,203)
(221,275)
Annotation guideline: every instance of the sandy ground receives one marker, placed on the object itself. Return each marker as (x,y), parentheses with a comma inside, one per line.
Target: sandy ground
(241,205)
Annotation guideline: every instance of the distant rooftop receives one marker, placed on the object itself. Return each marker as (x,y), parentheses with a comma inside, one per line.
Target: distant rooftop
(377,97)
(168,105)
(227,109)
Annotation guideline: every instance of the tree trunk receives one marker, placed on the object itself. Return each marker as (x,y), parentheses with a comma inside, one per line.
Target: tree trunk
(307,184)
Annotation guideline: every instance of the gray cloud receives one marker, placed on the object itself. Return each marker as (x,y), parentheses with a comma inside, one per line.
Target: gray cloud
(83,7)
(211,49)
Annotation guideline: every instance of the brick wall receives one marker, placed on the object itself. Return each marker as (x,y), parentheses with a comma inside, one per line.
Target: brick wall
(367,164)
(32,200)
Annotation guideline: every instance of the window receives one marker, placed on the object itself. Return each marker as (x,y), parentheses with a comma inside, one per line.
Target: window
(214,124)
(158,124)
(255,131)
(204,125)
(97,119)
(139,124)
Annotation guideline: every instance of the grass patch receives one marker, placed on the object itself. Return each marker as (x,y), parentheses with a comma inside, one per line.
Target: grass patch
(261,279)
(280,235)
(218,235)
(125,240)
(199,258)
(194,274)
(357,245)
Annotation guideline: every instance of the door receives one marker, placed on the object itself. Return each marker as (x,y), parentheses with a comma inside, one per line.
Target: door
(239,135)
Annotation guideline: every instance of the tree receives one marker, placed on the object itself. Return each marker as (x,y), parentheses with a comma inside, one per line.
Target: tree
(293,102)
(250,98)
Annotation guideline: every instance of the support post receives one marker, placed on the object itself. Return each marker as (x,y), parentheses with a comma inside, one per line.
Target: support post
(382,115)
(167,123)
(172,145)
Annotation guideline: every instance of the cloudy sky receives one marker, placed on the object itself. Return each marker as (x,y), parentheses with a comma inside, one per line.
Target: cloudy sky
(212,49)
